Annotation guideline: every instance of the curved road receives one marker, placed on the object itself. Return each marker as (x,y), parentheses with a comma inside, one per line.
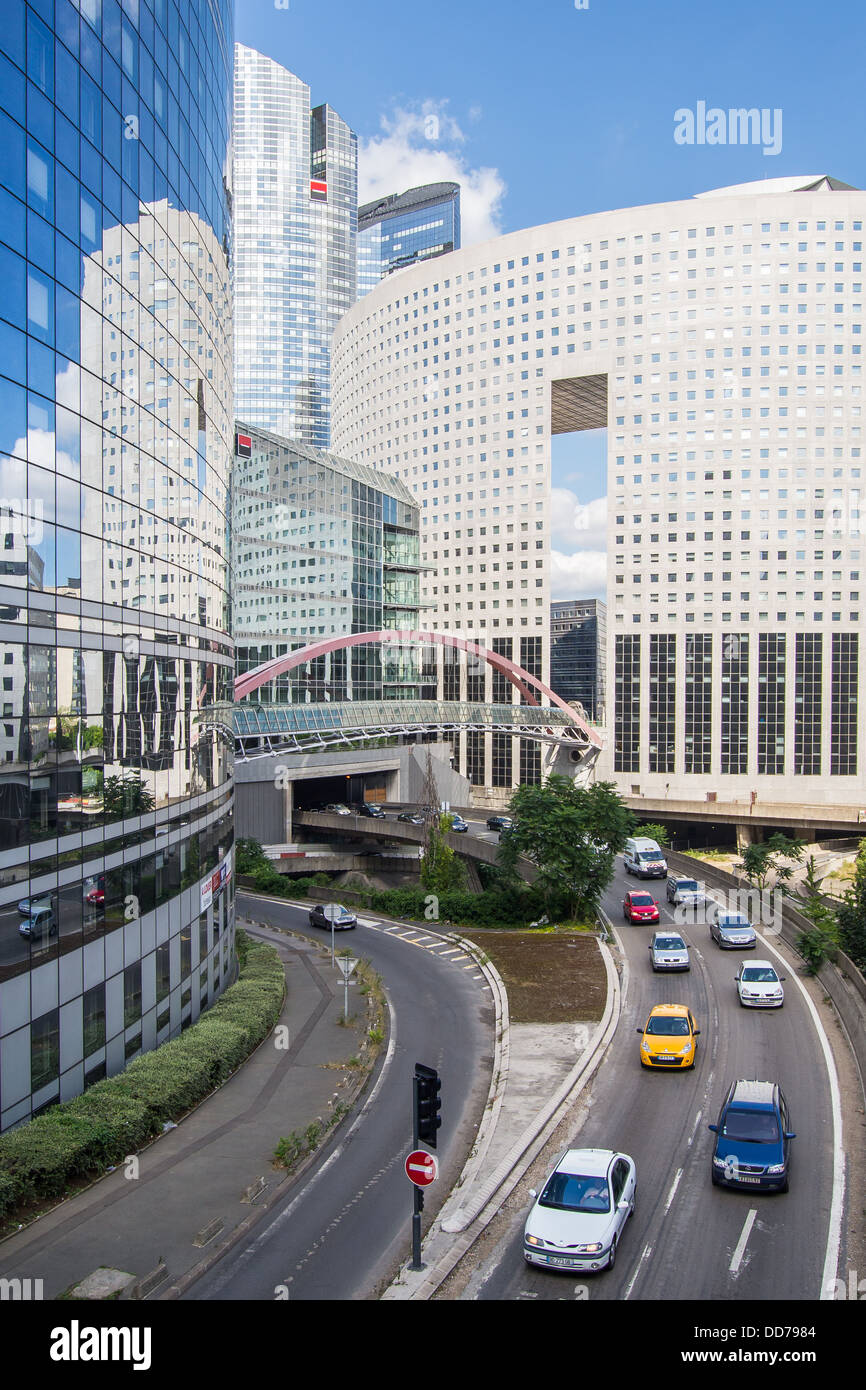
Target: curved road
(344,1227)
(684,1239)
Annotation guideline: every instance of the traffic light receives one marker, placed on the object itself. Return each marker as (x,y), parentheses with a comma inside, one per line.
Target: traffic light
(428,1104)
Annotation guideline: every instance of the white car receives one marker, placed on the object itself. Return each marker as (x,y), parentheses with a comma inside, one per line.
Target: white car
(578,1219)
(759,986)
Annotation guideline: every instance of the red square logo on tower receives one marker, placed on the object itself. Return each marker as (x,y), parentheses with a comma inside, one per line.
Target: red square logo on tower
(318,191)
(243,446)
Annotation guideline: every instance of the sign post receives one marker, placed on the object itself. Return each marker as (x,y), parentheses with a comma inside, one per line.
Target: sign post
(347,965)
(422,1167)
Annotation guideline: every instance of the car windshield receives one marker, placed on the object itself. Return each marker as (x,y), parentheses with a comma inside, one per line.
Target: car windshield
(687,885)
(735,924)
(334,910)
(650,855)
(642,900)
(575,1192)
(668,1027)
(751,1126)
(762,974)
(669,943)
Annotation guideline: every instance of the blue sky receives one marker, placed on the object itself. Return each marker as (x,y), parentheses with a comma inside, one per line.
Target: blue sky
(543,111)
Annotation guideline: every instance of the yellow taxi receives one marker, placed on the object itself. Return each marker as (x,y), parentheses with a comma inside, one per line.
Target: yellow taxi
(668,1040)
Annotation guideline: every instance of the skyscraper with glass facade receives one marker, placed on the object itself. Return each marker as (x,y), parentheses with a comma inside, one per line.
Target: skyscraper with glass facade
(295,226)
(578,633)
(116,909)
(322,547)
(404,228)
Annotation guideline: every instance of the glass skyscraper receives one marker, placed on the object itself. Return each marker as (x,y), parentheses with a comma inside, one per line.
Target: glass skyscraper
(295,226)
(116,915)
(404,228)
(322,547)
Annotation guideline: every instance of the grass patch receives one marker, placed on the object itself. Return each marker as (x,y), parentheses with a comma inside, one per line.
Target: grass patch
(551,976)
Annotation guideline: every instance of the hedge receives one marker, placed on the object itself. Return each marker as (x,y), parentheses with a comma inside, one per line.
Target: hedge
(115,1117)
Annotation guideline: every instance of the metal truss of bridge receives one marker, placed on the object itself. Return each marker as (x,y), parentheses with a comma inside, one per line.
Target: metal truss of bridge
(264,729)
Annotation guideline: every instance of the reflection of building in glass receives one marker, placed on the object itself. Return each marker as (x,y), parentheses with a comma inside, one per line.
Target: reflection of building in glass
(115,798)
(321,547)
(404,228)
(577,652)
(717,340)
(295,223)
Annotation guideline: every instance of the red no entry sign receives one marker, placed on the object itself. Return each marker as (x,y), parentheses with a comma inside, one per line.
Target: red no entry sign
(422,1168)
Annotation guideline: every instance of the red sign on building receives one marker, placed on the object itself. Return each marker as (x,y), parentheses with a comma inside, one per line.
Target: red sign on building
(318,191)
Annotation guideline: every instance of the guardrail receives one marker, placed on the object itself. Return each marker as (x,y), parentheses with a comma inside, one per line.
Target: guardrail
(844,983)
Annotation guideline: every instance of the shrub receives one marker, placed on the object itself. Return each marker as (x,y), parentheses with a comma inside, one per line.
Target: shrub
(116,1116)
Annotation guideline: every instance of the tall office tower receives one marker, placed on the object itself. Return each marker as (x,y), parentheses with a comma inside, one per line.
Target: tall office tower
(404,228)
(116,897)
(322,547)
(578,636)
(718,340)
(295,224)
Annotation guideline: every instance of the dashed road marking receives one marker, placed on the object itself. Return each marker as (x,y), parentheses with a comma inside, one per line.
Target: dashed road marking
(740,1251)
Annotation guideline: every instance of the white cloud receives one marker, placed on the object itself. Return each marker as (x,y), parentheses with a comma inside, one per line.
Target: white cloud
(578,557)
(423,145)
(577,525)
(582,575)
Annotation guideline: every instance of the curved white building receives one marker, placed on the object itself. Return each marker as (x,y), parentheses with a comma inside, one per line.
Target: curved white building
(719,340)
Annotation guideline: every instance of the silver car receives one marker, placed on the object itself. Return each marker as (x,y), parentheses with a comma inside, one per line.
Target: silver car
(732,931)
(668,951)
(579,1217)
(685,891)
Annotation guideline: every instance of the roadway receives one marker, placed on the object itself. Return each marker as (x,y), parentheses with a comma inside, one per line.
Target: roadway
(344,1228)
(688,1239)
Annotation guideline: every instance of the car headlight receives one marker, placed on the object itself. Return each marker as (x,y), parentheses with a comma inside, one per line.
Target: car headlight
(718,1162)
(590,1249)
(533,1240)
(776,1168)
(646,1047)
(685,1050)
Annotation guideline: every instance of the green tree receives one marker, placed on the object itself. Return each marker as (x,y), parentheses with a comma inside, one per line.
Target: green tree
(767,857)
(249,855)
(852,914)
(572,834)
(441,869)
(653,831)
(126,796)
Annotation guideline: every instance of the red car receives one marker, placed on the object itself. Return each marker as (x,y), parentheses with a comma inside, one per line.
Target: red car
(640,907)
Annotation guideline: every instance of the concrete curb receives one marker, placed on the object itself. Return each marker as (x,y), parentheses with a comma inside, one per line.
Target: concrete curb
(444,1248)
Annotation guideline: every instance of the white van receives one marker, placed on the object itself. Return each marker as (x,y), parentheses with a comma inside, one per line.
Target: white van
(644,858)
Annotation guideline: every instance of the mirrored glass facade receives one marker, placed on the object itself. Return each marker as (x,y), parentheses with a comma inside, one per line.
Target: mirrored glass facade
(322,547)
(295,226)
(116,420)
(404,228)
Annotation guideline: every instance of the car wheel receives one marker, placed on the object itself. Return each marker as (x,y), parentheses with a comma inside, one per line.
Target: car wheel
(716,1182)
(312,920)
(612,1260)
(784,1187)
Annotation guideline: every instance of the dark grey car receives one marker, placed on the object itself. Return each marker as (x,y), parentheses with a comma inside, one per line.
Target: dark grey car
(326,914)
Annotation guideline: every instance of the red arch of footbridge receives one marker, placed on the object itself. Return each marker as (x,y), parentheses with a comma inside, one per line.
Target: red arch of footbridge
(522,680)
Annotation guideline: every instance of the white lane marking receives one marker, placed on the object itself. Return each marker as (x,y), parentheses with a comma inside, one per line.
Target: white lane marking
(740,1251)
(834,1228)
(674,1185)
(366,922)
(694,1128)
(631,1283)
